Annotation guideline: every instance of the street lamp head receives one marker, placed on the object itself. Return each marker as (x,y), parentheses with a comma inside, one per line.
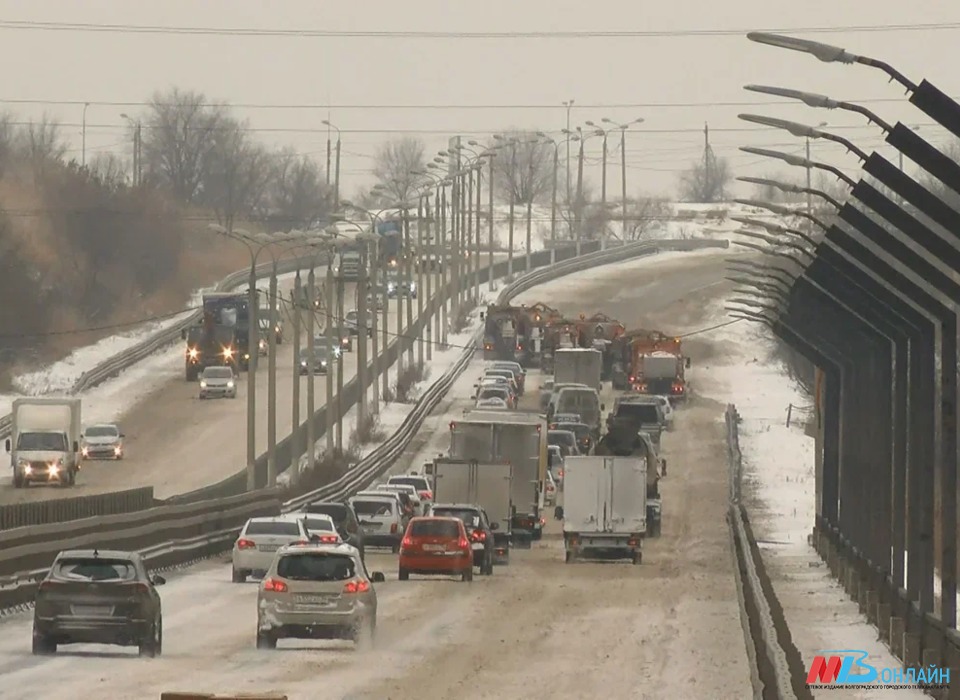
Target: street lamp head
(800,130)
(499,137)
(811,99)
(638,120)
(589,123)
(327,123)
(765,182)
(787,158)
(823,52)
(607,120)
(768,225)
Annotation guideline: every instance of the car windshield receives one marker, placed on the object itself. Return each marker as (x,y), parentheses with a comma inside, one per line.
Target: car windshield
(264,322)
(351,316)
(470,518)
(561,437)
(581,430)
(434,528)
(102,431)
(42,442)
(218,373)
(416,482)
(492,393)
(505,373)
(95,569)
(373,507)
(316,566)
(644,412)
(272,527)
(318,524)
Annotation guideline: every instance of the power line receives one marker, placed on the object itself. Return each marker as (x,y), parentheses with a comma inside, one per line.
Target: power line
(406,34)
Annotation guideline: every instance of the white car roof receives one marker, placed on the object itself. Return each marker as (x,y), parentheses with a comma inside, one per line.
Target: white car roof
(339,548)
(315,516)
(101,425)
(408,489)
(407,476)
(284,518)
(376,495)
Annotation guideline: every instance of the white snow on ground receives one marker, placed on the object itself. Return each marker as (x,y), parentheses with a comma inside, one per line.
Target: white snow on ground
(779,481)
(126,389)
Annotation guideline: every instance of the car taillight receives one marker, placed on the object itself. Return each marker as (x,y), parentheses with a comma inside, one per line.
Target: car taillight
(275,585)
(478,536)
(632,542)
(329,539)
(246,544)
(560,473)
(426,495)
(393,528)
(463,543)
(356,586)
(632,379)
(407,542)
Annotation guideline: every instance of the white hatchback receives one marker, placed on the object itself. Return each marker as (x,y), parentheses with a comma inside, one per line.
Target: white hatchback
(259,540)
(668,411)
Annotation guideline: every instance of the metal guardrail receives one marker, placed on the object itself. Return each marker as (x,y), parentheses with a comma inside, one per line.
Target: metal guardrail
(60,510)
(769,659)
(176,534)
(125,359)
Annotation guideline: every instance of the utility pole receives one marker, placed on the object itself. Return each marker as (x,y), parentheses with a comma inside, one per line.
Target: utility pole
(296,297)
(362,339)
(445,268)
(513,187)
(569,105)
(623,184)
(529,194)
(603,191)
(334,329)
(490,202)
(578,206)
(311,398)
(419,288)
(379,292)
(468,236)
(404,224)
(553,199)
(476,233)
(329,145)
(385,343)
(340,315)
(253,347)
(336,185)
(408,280)
(426,266)
(272,381)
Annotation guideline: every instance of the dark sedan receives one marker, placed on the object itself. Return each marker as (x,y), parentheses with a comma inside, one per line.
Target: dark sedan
(345,520)
(98,597)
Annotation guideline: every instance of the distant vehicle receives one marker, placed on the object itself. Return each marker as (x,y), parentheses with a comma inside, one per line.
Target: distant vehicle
(518,371)
(436,546)
(566,441)
(492,404)
(550,490)
(579,366)
(101,442)
(376,301)
(546,393)
(321,359)
(581,400)
(352,323)
(260,539)
(218,382)
(399,287)
(44,444)
(582,431)
(479,530)
(492,392)
(345,520)
(408,494)
(317,592)
(321,529)
(509,375)
(347,265)
(98,597)
(566,418)
(381,519)
(555,462)
(222,337)
(263,321)
(497,381)
(419,482)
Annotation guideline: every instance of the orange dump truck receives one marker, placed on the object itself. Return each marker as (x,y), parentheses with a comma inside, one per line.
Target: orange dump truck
(516,332)
(650,362)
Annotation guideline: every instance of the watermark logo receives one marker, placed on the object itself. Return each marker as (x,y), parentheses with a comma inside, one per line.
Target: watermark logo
(848,668)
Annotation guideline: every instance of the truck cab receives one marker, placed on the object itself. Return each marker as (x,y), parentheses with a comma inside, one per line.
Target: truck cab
(45,441)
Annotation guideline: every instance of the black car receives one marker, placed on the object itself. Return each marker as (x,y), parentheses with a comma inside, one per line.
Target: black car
(348,525)
(98,597)
(479,530)
(581,430)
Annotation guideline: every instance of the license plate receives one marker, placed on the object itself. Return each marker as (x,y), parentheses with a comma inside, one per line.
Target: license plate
(371,526)
(268,547)
(308,599)
(434,548)
(91,610)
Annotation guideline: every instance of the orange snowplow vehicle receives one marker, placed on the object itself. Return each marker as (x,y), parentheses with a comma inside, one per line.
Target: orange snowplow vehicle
(650,362)
(515,333)
(599,332)
(559,333)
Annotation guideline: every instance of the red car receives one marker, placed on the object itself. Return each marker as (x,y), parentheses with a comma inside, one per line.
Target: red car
(436,546)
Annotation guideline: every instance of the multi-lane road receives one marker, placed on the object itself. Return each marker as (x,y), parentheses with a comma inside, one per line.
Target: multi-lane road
(177,443)
(669,628)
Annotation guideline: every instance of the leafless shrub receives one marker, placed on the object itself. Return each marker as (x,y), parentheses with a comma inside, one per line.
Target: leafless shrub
(706,181)
(367,431)
(411,375)
(398,165)
(327,469)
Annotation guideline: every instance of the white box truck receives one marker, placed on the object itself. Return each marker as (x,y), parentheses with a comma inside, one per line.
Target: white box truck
(483,484)
(44,444)
(517,439)
(604,507)
(578,366)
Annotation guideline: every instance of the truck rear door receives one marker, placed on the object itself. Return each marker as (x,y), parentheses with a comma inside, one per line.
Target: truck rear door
(627,512)
(586,489)
(452,482)
(493,486)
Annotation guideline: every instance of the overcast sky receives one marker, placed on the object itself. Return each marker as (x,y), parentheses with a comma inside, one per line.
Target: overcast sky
(674,82)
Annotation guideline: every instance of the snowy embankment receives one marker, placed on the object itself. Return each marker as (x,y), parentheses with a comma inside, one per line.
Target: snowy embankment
(779,488)
(114,397)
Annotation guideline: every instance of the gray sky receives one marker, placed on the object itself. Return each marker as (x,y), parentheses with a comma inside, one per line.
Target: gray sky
(639,75)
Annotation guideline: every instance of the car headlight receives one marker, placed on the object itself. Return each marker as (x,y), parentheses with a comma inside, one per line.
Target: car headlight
(303,363)
(85,451)
(391,287)
(117,450)
(413,286)
(203,385)
(229,385)
(23,463)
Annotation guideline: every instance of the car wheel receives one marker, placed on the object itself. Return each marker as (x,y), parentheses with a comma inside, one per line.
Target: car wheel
(17,481)
(151,646)
(42,646)
(395,549)
(468,575)
(71,477)
(364,635)
(265,640)
(568,557)
(638,558)
(239,576)
(403,575)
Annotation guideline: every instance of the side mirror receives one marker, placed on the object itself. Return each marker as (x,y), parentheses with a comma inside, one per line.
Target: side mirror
(688,363)
(7,443)
(558,513)
(157,580)
(603,407)
(378,577)
(494,526)
(482,315)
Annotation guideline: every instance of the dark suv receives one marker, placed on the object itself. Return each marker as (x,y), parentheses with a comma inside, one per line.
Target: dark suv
(479,530)
(98,597)
(345,520)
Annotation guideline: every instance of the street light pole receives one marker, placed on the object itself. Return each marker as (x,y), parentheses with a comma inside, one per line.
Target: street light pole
(578,216)
(490,203)
(513,187)
(334,323)
(272,381)
(253,347)
(569,105)
(476,233)
(83,136)
(408,336)
(311,398)
(362,339)
(426,278)
(296,299)
(378,287)
(445,266)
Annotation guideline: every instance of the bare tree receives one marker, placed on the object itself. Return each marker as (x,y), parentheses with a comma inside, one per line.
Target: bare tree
(178,138)
(523,170)
(705,181)
(643,213)
(236,173)
(40,142)
(297,194)
(110,169)
(397,165)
